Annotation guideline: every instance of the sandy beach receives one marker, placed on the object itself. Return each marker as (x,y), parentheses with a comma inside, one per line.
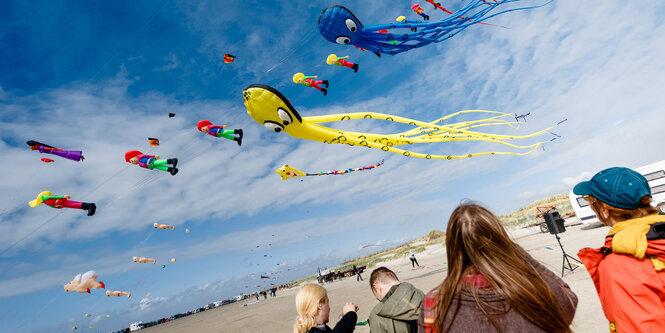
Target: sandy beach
(278,314)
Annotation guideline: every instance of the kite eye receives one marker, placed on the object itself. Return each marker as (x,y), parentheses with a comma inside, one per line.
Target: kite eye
(273,126)
(343,40)
(351,25)
(284,116)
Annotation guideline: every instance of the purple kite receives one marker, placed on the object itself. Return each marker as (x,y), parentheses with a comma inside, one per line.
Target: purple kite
(74,155)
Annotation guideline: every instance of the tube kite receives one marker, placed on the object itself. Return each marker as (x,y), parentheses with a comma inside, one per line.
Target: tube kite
(420,11)
(270,108)
(379,243)
(288,172)
(220,131)
(47,160)
(228,58)
(82,283)
(163,226)
(151,162)
(308,81)
(144,260)
(338,25)
(341,61)
(118,293)
(62,201)
(74,155)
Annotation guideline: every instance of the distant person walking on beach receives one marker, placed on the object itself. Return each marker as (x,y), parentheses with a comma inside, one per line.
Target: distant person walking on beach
(313,309)
(399,303)
(357,272)
(412,256)
(629,270)
(493,284)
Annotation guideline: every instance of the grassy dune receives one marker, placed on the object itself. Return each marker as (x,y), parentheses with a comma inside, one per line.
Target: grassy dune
(527,215)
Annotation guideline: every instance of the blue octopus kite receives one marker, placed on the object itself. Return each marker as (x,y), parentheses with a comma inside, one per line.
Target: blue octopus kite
(338,25)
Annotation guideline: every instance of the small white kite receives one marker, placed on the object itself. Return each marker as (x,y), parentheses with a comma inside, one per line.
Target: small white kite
(163,226)
(118,293)
(144,260)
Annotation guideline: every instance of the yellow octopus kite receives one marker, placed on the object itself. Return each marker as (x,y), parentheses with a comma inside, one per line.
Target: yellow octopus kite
(269,107)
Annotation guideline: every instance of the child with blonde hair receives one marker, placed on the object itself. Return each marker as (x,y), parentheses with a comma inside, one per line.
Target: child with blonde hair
(313,308)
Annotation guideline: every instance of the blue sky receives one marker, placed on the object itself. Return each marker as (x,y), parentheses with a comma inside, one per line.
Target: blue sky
(102,76)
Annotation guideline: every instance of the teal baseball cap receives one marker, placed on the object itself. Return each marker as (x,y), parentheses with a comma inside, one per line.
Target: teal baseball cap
(618,187)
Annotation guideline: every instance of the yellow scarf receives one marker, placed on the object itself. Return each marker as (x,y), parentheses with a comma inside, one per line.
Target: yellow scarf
(630,236)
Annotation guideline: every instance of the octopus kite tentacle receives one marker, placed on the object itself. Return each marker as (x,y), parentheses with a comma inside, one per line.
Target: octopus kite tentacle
(338,25)
(269,107)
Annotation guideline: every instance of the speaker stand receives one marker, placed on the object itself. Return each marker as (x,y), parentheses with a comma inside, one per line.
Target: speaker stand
(566,256)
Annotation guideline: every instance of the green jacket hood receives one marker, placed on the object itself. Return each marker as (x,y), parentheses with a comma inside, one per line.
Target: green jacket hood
(401,303)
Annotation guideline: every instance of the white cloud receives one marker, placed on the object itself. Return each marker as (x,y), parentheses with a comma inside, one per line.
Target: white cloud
(572,181)
(171,62)
(597,66)
(146,303)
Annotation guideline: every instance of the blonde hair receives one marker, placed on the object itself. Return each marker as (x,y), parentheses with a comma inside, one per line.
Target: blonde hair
(308,299)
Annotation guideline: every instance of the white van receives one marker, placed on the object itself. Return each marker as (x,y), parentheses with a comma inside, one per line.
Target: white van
(654,173)
(136,326)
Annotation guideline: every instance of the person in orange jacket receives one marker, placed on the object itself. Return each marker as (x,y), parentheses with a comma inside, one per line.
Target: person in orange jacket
(629,270)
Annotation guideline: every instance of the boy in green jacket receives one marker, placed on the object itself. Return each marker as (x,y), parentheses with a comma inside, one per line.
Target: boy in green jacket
(399,303)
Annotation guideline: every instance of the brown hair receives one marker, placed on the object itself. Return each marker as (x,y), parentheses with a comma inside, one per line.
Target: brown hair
(477,242)
(382,275)
(620,214)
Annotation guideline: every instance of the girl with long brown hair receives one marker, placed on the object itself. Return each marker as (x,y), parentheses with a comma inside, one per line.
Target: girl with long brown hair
(493,284)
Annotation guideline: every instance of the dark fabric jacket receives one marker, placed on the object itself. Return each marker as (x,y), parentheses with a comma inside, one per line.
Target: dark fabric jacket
(471,319)
(345,325)
(398,311)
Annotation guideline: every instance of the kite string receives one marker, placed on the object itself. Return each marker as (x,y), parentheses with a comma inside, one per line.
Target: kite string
(104,182)
(18,206)
(142,277)
(152,177)
(30,233)
(133,282)
(33,315)
(83,197)
(132,38)
(60,212)
(99,300)
(303,40)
